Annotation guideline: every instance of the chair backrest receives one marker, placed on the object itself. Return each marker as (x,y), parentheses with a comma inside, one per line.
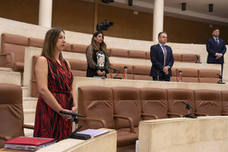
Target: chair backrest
(209,75)
(79,48)
(208,102)
(120,68)
(141,72)
(176,98)
(190,58)
(126,102)
(119,53)
(35,42)
(78,67)
(177,57)
(14,43)
(11,111)
(137,54)
(224,95)
(154,101)
(96,102)
(189,74)
(174,75)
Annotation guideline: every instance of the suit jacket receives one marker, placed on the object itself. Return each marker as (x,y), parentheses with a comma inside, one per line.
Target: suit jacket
(213,48)
(157,59)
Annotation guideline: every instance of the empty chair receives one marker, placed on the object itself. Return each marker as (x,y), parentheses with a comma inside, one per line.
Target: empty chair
(96,104)
(154,103)
(208,102)
(119,53)
(35,42)
(174,75)
(34,91)
(189,74)
(176,97)
(14,46)
(127,110)
(137,54)
(117,71)
(224,95)
(11,112)
(190,58)
(177,57)
(68,47)
(141,72)
(209,75)
(78,67)
(78,48)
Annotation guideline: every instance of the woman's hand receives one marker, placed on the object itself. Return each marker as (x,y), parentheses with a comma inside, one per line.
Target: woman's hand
(74,109)
(100,73)
(65,116)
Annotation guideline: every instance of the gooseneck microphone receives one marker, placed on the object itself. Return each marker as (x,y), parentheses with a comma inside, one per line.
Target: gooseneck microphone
(189,107)
(71,113)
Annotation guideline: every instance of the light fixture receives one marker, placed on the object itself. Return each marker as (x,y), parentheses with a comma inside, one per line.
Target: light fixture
(210,7)
(107,1)
(183,6)
(130,2)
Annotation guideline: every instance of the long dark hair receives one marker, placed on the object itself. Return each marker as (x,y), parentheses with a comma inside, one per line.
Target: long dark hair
(96,45)
(50,41)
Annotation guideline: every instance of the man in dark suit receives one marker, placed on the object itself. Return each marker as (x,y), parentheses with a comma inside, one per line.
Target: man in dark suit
(216,48)
(162,60)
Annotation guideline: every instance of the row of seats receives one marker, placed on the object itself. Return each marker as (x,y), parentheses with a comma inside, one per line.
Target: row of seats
(13,48)
(138,72)
(11,112)
(141,72)
(123,107)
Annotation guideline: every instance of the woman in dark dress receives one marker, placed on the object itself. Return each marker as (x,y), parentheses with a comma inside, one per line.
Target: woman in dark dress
(97,58)
(56,93)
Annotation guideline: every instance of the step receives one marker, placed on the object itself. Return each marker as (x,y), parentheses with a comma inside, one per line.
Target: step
(29,132)
(6,69)
(29,116)
(26,92)
(29,103)
(10,77)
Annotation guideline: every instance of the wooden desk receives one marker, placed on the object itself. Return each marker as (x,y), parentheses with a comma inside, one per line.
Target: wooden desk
(102,143)
(10,150)
(204,134)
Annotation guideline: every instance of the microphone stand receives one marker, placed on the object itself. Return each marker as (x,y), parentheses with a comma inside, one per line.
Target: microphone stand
(74,119)
(189,114)
(221,76)
(116,71)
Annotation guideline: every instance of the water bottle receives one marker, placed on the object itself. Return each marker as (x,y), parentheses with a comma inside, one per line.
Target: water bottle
(180,76)
(125,72)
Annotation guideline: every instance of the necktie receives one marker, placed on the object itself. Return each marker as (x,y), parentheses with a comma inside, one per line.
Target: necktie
(165,54)
(217,40)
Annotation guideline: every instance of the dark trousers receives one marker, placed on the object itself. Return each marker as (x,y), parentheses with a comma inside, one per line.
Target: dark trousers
(161,77)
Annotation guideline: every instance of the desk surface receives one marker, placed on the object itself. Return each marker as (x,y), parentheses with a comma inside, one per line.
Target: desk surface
(10,150)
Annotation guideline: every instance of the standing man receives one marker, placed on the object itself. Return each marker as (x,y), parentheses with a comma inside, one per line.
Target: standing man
(216,48)
(161,56)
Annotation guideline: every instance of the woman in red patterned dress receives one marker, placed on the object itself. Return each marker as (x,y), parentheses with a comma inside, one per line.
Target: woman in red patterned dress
(56,93)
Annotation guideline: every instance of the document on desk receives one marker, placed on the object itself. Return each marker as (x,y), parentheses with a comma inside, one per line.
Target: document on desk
(94,132)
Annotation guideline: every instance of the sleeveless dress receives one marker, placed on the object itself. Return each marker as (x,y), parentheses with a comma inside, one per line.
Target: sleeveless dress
(48,123)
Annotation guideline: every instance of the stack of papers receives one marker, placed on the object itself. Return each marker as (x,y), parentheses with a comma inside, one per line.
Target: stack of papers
(93,132)
(28,143)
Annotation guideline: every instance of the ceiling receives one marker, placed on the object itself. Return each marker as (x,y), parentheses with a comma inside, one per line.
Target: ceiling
(200,6)
(196,9)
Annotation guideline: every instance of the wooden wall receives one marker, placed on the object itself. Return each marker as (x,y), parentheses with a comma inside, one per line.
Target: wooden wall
(77,15)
